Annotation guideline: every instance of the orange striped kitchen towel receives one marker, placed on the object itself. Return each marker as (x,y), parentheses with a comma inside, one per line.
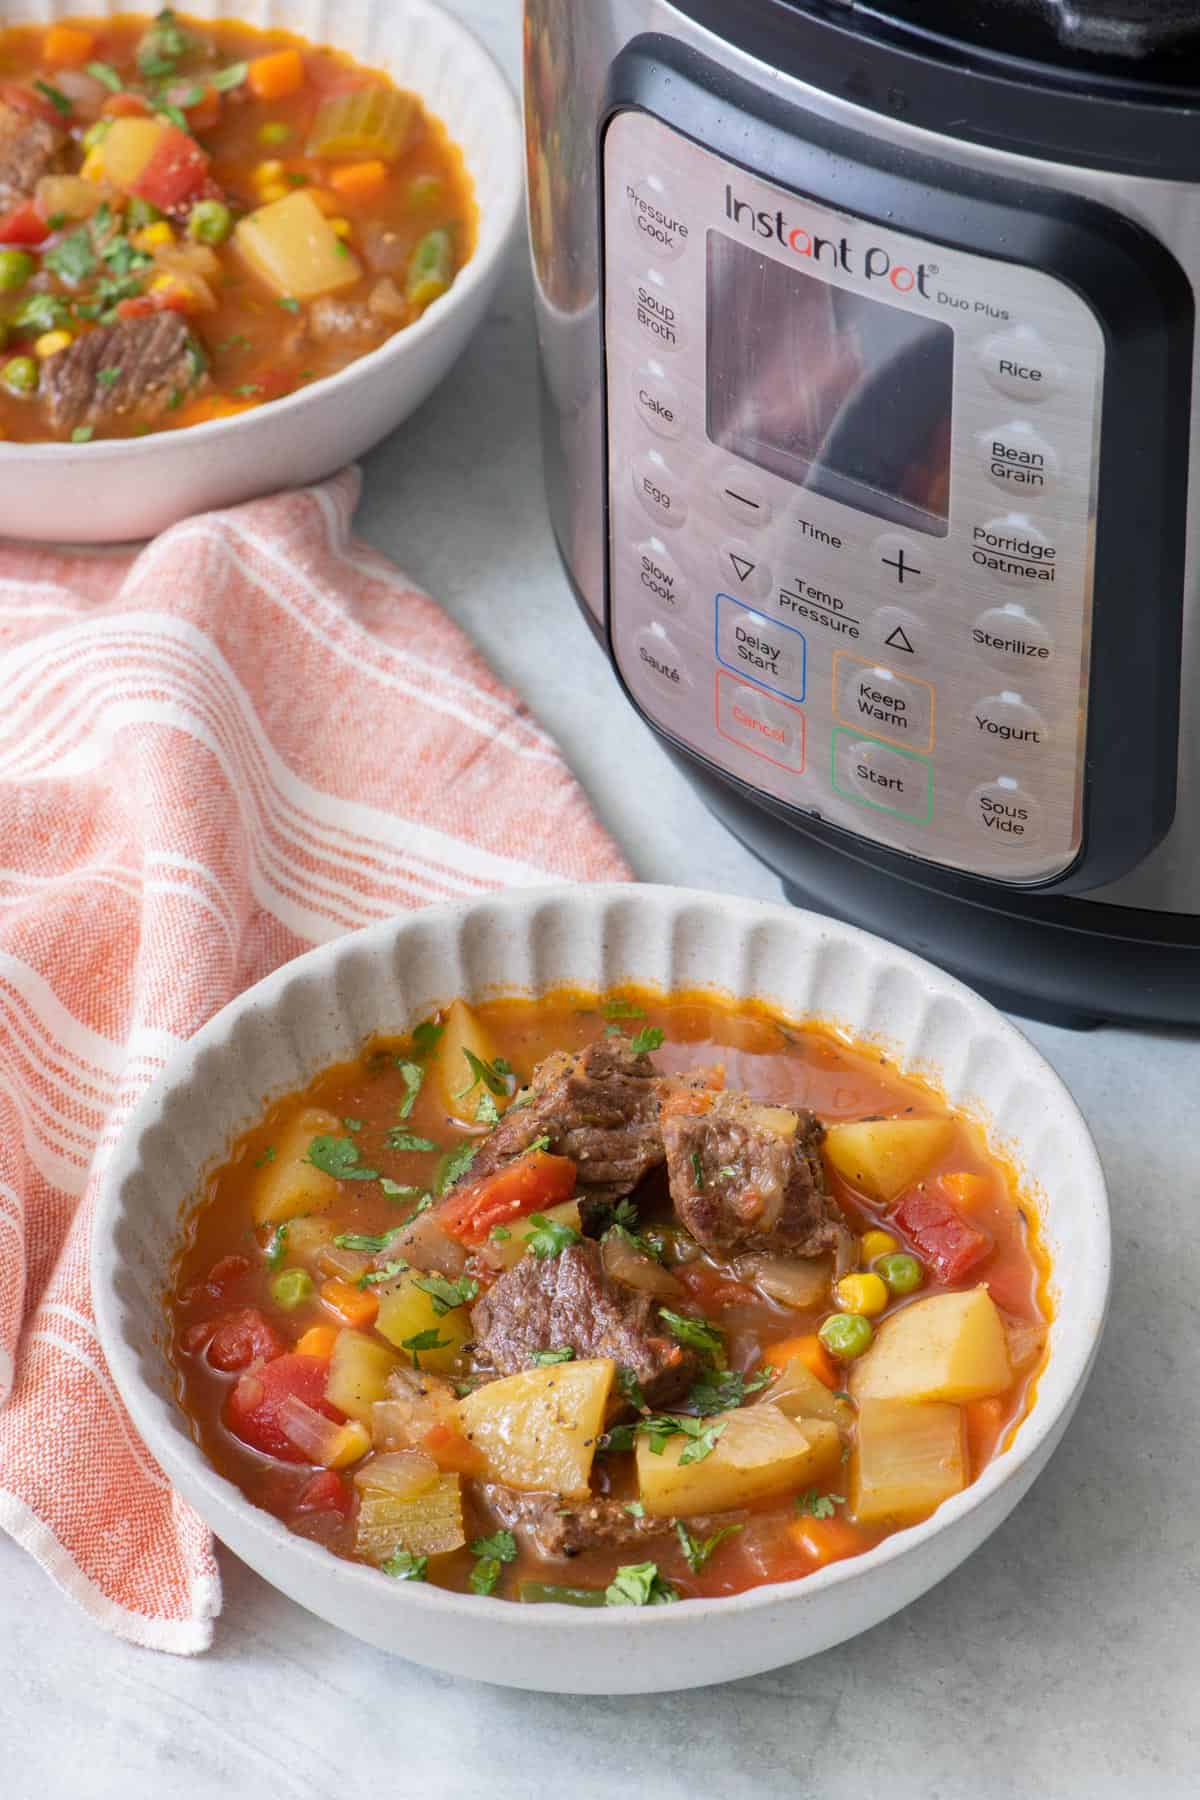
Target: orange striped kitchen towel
(215,751)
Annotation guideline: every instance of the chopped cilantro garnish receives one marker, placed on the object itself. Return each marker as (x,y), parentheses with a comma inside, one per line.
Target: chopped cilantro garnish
(412,1075)
(638,1584)
(486,1110)
(364,1241)
(697,1334)
(397,1190)
(484,1576)
(545,1357)
(721,1392)
(55,96)
(549,1237)
(499,1234)
(502,1545)
(649,1038)
(373,1276)
(400,1139)
(454,1164)
(73,259)
(41,312)
(106,74)
(277,1247)
(698,1550)
(623,1009)
(424,1340)
(289,305)
(403,1566)
(246,389)
(232,77)
(635,1509)
(818,1506)
(697,1170)
(425,1036)
(446,1295)
(107,377)
(296,178)
(629,1386)
(174,113)
(539,1143)
(268,1156)
(338,1157)
(613,1031)
(492,1075)
(660,1428)
(353,1124)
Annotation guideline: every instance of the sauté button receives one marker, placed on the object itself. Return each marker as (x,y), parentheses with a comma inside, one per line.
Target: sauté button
(659,489)
(759,722)
(904,565)
(740,566)
(657,400)
(1014,551)
(1008,637)
(1006,812)
(660,662)
(873,774)
(759,648)
(742,497)
(655,217)
(878,700)
(1018,363)
(1017,458)
(660,576)
(656,313)
(1006,719)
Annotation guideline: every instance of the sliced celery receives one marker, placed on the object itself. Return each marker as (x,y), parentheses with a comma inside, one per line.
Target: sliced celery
(541,1593)
(371,121)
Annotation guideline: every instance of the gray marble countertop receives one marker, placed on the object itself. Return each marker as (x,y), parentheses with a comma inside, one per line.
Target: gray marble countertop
(1062,1660)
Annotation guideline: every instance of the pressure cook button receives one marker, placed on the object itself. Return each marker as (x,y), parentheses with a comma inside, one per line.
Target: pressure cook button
(657,400)
(655,311)
(660,662)
(759,722)
(740,566)
(660,576)
(1018,363)
(904,565)
(1014,551)
(659,489)
(655,217)
(878,700)
(1007,719)
(875,775)
(1017,458)
(1005,811)
(743,497)
(1008,637)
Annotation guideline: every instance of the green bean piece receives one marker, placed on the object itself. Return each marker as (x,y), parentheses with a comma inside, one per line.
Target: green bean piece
(16,266)
(430,267)
(210,222)
(541,1593)
(20,376)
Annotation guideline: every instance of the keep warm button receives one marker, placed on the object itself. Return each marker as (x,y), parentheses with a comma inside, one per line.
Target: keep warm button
(875,699)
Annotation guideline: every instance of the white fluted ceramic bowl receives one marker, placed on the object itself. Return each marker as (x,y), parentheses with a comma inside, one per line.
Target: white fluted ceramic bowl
(114,489)
(320,1008)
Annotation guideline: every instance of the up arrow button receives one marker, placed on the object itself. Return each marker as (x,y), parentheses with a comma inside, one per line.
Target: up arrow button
(898,639)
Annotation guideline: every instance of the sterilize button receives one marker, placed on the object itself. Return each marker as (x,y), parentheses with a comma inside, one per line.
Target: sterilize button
(1009,721)
(1017,458)
(904,565)
(656,313)
(743,497)
(1018,363)
(659,489)
(1011,638)
(660,576)
(655,217)
(660,662)
(1013,550)
(657,400)
(1004,811)
(741,567)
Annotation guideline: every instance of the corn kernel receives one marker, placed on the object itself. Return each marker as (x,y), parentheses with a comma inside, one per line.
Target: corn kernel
(92,167)
(876,1244)
(151,237)
(274,190)
(271,170)
(51,342)
(341,228)
(865,1294)
(162,284)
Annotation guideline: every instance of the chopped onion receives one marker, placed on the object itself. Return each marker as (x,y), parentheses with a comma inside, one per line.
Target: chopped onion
(622,1262)
(386,301)
(426,1246)
(845,1252)
(86,94)
(798,1282)
(319,1438)
(402,1474)
(347,1264)
(1025,1340)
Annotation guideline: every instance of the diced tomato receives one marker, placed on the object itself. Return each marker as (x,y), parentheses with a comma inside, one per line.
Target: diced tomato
(204,112)
(242,1338)
(23,225)
(326,1492)
(28,100)
(126,106)
(452,1452)
(252,1409)
(530,1184)
(946,1242)
(177,167)
(224,1273)
(711,1288)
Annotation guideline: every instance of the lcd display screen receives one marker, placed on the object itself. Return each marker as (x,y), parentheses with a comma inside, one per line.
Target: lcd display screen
(836,391)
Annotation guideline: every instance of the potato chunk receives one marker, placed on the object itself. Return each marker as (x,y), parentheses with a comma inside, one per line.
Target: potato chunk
(406,1312)
(881,1157)
(291,245)
(289,1185)
(907,1459)
(504,1253)
(760,1452)
(454,1080)
(947,1347)
(358,1373)
(538,1429)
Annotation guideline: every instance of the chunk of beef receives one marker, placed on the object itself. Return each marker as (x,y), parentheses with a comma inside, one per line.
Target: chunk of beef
(30,147)
(555,1528)
(545,1303)
(600,1108)
(740,1180)
(145,364)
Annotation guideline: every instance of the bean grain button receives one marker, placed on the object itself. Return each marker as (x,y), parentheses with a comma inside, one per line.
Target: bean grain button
(1009,720)
(1017,458)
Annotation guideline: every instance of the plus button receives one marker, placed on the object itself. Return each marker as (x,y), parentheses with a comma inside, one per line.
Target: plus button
(901,567)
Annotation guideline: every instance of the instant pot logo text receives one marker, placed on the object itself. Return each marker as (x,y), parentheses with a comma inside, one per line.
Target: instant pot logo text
(872,264)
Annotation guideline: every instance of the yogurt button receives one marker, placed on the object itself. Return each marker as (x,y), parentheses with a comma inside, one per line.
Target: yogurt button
(1009,721)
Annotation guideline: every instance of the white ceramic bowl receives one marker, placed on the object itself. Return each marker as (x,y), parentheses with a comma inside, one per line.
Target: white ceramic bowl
(319,1009)
(115,489)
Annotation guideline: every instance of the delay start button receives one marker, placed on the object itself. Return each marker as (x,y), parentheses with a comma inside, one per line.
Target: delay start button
(655,217)
(1020,364)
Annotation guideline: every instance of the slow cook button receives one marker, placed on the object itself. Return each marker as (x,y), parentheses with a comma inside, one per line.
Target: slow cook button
(659,489)
(1010,638)
(1003,811)
(1007,719)
(660,662)
(655,218)
(660,576)
(873,774)
(759,722)
(1018,363)
(1017,458)
(878,700)
(657,400)
(760,648)
(656,313)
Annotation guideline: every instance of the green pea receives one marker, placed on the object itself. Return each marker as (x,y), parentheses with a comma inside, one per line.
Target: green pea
(210,222)
(16,266)
(274,132)
(139,213)
(846,1335)
(902,1273)
(20,376)
(291,1288)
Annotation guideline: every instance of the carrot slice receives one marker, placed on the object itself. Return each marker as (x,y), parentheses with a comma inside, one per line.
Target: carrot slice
(274,76)
(318,1341)
(812,1354)
(68,45)
(362,181)
(528,1185)
(452,1452)
(829,1540)
(967,1189)
(355,1307)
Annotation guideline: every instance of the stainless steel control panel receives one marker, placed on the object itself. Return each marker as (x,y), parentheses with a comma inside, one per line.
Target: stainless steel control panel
(851,492)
